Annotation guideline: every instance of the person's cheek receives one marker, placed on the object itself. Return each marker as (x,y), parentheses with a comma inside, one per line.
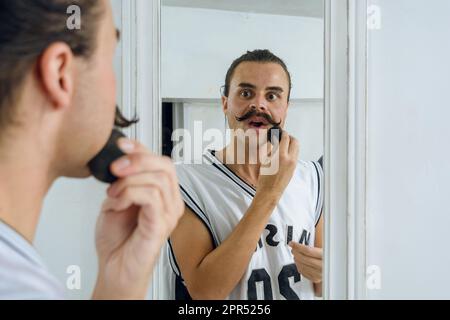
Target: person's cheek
(113,88)
(110,88)
(111,81)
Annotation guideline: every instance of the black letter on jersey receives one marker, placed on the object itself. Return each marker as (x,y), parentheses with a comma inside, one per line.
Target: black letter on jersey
(290,230)
(283,280)
(258,276)
(304,239)
(272,232)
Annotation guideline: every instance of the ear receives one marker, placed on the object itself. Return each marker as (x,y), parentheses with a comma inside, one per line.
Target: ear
(224,104)
(56,69)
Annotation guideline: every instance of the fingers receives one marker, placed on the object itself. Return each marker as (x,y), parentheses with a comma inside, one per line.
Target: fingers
(133,196)
(284,143)
(164,182)
(310,273)
(289,146)
(138,159)
(306,250)
(156,179)
(294,147)
(145,170)
(131,146)
(141,162)
(308,261)
(145,180)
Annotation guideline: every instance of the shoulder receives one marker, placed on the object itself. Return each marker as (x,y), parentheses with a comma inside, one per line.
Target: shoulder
(22,277)
(310,175)
(309,170)
(189,174)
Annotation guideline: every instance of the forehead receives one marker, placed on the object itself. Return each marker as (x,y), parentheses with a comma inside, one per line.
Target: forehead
(107,14)
(262,75)
(107,31)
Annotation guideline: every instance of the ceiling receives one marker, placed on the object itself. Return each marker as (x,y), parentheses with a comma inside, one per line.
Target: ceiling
(306,8)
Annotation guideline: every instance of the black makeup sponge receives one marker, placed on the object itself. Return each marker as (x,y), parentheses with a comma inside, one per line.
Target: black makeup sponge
(100,164)
(274,133)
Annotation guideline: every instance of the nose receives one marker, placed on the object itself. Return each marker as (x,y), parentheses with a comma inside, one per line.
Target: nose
(259,103)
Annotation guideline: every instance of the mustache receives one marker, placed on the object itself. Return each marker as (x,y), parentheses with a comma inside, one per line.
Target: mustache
(121,121)
(253,112)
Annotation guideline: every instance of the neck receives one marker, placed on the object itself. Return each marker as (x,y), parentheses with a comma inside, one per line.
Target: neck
(242,161)
(25,178)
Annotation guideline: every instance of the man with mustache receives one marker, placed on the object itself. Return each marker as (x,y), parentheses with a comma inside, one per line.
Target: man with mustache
(247,233)
(57,109)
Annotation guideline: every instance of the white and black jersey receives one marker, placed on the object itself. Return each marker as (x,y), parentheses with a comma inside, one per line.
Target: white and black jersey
(220,198)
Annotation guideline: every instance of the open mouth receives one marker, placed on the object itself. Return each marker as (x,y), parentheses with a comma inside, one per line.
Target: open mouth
(258,122)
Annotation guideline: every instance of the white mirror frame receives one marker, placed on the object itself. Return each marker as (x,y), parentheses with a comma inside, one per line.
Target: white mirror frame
(344,125)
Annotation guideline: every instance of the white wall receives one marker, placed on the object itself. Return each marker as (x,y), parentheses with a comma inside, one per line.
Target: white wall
(65,235)
(198,46)
(408,173)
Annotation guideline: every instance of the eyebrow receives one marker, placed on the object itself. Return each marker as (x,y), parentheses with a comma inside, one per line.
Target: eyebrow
(252,86)
(247,85)
(118,34)
(275,89)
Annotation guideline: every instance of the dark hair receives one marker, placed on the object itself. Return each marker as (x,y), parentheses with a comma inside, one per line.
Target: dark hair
(28,27)
(121,122)
(262,56)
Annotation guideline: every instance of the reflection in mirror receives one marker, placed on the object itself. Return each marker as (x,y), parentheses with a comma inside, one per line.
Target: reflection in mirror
(230,71)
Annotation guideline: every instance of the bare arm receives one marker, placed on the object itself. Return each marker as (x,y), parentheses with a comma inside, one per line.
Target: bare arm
(213,273)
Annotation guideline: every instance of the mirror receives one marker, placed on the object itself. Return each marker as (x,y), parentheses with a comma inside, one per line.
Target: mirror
(200,40)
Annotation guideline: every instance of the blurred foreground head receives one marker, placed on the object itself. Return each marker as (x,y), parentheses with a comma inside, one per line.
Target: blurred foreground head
(57,83)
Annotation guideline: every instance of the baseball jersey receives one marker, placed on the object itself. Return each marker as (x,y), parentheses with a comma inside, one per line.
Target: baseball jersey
(220,198)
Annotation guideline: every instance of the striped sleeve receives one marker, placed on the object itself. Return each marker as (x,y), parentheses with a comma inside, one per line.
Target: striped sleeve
(172,261)
(192,204)
(318,171)
(188,189)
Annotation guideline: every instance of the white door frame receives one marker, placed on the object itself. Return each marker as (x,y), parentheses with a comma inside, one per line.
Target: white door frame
(345,157)
(141,93)
(357,142)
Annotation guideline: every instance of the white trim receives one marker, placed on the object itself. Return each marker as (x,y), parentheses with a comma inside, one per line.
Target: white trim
(178,115)
(148,72)
(141,87)
(345,158)
(357,149)
(149,103)
(335,155)
(128,63)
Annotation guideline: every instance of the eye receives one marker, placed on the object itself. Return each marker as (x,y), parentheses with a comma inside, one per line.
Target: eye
(246,94)
(271,96)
